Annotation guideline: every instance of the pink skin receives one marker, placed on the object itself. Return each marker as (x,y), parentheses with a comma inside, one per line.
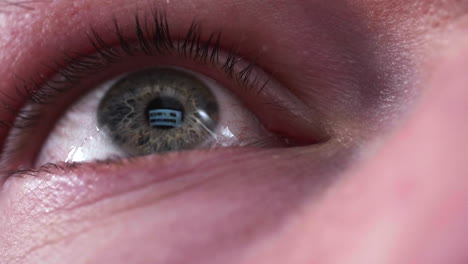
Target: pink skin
(385,79)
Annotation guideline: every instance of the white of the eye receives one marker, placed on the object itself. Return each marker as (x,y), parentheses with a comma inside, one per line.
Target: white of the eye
(76,154)
(75,137)
(228,137)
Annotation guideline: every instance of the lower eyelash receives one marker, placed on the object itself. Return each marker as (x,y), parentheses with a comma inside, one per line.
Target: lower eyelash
(46,168)
(64,167)
(56,168)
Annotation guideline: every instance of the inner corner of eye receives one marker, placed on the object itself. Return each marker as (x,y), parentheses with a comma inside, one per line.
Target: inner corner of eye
(151,111)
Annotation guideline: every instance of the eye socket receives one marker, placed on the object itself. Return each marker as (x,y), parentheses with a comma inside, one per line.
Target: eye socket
(159,48)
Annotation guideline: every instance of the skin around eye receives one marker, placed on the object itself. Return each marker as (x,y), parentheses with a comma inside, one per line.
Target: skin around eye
(405,205)
(96,128)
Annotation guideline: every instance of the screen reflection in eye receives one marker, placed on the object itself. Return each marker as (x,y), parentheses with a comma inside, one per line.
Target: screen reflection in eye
(171,98)
(113,120)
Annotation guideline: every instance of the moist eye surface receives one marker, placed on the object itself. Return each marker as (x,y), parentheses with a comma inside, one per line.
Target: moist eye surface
(158,110)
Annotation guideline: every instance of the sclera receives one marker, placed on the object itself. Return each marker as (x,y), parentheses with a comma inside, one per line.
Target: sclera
(77,137)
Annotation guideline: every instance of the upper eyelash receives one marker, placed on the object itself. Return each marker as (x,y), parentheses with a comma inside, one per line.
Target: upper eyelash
(153,37)
(151,40)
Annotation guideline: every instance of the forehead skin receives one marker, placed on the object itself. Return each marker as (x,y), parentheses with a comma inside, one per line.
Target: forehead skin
(388,209)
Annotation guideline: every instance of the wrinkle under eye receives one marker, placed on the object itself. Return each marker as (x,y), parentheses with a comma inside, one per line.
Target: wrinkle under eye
(158,110)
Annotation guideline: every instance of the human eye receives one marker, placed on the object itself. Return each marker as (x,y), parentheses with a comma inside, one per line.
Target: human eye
(132,131)
(144,90)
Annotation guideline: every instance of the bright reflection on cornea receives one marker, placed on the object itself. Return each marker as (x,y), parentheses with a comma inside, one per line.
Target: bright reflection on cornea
(204,116)
(228,137)
(86,149)
(76,154)
(227,133)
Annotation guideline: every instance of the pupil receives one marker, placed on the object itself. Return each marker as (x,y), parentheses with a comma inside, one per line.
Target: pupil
(165,113)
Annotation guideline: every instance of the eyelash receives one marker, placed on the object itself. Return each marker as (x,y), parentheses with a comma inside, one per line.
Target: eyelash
(151,39)
(160,42)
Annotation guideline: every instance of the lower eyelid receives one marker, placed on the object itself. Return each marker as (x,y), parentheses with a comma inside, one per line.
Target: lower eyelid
(84,183)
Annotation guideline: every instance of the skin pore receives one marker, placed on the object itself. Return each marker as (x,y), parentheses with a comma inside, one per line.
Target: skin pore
(385,80)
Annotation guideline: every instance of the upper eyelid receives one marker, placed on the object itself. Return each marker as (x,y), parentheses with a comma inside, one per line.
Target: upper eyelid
(191,45)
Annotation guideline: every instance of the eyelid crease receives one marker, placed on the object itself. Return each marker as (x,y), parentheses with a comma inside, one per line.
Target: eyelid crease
(153,37)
